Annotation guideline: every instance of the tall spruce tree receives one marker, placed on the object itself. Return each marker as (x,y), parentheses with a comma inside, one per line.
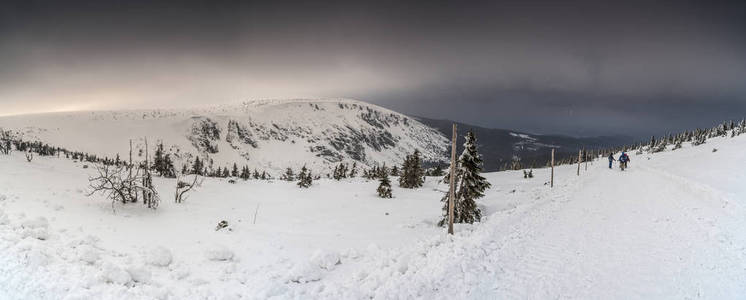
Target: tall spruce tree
(470,185)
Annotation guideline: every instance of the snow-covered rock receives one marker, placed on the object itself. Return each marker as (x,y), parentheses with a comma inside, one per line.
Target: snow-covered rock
(140,274)
(88,254)
(326,259)
(159,256)
(218,253)
(114,274)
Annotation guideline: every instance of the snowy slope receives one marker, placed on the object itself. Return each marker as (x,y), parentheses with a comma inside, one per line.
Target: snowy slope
(671,226)
(265,134)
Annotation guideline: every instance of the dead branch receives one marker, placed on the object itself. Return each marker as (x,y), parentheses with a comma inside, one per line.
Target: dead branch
(183,187)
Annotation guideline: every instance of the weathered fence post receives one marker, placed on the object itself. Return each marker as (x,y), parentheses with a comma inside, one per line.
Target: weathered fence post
(551,181)
(451,192)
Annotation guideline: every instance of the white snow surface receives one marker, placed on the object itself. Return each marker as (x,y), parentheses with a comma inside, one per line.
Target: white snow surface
(671,226)
(266,134)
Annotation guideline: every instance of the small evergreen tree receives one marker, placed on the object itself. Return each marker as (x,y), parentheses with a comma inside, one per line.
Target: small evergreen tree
(305,179)
(437,171)
(159,161)
(353,170)
(198,167)
(234,172)
(245,173)
(395,171)
(384,187)
(412,173)
(289,176)
(168,167)
(340,171)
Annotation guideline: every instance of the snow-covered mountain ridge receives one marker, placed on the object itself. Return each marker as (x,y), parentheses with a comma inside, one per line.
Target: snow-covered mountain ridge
(267,134)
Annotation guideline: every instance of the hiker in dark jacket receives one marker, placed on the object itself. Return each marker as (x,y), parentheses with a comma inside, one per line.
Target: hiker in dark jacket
(611,159)
(623,160)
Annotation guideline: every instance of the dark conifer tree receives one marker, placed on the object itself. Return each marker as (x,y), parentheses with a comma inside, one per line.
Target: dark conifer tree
(384,187)
(168,167)
(198,167)
(470,185)
(234,173)
(305,179)
(353,170)
(412,172)
(289,175)
(245,173)
(395,171)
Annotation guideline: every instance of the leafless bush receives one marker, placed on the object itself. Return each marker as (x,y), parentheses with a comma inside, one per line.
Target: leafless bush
(120,184)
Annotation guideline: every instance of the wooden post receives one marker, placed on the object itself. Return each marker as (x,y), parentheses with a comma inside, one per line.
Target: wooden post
(579,153)
(145,195)
(129,168)
(585,158)
(551,181)
(451,191)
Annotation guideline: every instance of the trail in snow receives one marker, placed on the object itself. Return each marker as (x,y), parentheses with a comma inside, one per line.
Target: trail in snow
(609,240)
(641,233)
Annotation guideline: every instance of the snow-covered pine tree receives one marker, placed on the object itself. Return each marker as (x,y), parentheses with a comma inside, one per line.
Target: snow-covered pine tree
(198,167)
(394,171)
(234,172)
(245,173)
(470,185)
(289,175)
(168,167)
(340,171)
(437,171)
(384,187)
(305,179)
(412,171)
(381,171)
(159,163)
(353,170)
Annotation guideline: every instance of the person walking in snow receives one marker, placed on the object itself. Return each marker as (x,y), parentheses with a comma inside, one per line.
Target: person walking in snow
(623,159)
(611,159)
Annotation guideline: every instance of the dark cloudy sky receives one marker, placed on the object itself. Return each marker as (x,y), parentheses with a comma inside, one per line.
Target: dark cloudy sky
(577,68)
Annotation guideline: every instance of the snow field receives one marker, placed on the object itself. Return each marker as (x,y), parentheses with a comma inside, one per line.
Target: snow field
(671,226)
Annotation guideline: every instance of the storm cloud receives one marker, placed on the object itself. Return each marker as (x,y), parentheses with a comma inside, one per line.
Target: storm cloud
(577,68)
